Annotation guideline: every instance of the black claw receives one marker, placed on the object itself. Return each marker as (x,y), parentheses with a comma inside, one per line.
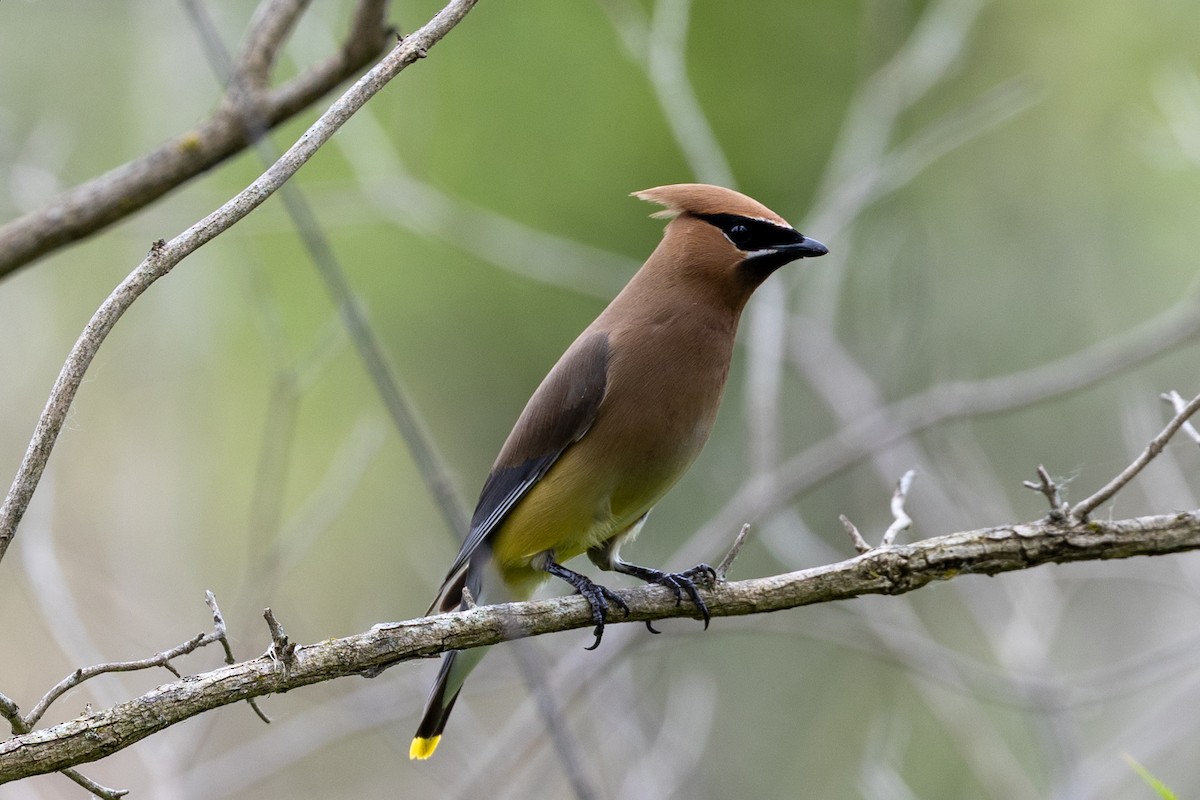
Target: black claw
(650,627)
(690,588)
(705,573)
(672,582)
(678,582)
(598,598)
(614,598)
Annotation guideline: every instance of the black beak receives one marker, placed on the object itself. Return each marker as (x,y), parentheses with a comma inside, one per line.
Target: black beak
(805,248)
(776,254)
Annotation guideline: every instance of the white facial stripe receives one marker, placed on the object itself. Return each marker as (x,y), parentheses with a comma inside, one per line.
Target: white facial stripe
(768,221)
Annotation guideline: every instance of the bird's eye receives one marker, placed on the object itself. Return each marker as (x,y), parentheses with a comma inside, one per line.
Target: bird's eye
(739,235)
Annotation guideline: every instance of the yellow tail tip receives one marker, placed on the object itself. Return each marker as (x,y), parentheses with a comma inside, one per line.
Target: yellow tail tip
(422,748)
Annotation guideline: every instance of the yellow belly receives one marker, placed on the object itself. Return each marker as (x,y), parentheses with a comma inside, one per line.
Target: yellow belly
(585,499)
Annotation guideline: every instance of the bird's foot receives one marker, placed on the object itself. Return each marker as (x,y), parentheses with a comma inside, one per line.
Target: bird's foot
(679,583)
(598,597)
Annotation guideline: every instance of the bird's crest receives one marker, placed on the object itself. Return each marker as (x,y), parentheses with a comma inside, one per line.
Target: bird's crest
(701,199)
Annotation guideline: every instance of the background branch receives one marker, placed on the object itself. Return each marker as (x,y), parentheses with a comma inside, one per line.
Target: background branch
(98,203)
(165,255)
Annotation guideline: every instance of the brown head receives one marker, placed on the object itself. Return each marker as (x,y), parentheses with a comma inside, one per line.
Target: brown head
(722,239)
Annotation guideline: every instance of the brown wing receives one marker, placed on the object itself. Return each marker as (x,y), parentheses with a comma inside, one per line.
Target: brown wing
(560,412)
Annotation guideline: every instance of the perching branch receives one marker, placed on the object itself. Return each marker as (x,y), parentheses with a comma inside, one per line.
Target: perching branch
(889,569)
(893,570)
(90,207)
(164,256)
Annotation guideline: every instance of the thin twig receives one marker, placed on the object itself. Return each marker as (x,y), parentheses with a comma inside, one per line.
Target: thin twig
(900,518)
(269,28)
(1082,509)
(736,548)
(1177,402)
(282,649)
(856,538)
(163,659)
(164,257)
(219,628)
(659,46)
(210,600)
(12,712)
(1050,490)
(103,792)
(926,58)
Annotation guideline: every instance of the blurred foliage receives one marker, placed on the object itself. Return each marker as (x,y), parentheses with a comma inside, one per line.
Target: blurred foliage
(1069,223)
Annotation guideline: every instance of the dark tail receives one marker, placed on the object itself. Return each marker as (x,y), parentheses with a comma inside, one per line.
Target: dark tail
(456,665)
(437,709)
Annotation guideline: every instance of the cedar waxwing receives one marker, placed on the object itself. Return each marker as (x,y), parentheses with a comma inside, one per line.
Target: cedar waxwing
(618,420)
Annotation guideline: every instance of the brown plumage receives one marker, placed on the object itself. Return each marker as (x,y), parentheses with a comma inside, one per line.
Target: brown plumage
(619,418)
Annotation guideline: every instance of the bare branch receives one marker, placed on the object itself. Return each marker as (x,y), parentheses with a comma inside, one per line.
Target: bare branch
(103,792)
(1050,489)
(925,59)
(734,550)
(894,570)
(10,711)
(273,20)
(85,209)
(1082,509)
(860,544)
(1178,403)
(900,518)
(163,659)
(659,46)
(164,256)
(281,650)
(219,628)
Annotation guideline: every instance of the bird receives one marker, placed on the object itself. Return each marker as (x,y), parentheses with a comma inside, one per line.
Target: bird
(617,421)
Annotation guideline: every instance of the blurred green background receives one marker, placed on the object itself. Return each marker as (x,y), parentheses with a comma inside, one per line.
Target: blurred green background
(1001,185)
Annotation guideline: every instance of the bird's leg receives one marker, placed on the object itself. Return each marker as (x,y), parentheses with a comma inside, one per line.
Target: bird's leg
(677,582)
(606,556)
(598,596)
